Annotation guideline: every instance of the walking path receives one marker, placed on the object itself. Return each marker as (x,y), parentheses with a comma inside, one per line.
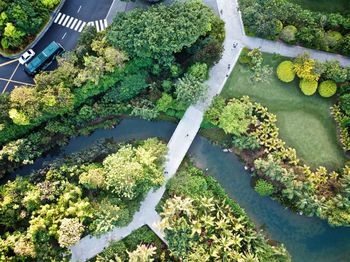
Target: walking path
(189,125)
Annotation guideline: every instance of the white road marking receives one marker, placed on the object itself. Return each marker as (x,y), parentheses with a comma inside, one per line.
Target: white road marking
(65,20)
(8,82)
(70,21)
(82,27)
(64,35)
(57,17)
(63,16)
(101,25)
(79,9)
(105,22)
(97,26)
(76,28)
(75,21)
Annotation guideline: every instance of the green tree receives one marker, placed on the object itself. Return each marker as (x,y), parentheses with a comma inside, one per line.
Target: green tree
(131,86)
(69,232)
(189,90)
(133,171)
(165,102)
(12,37)
(236,117)
(199,71)
(156,33)
(51,4)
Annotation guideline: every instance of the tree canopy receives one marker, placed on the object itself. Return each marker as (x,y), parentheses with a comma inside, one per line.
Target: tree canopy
(161,31)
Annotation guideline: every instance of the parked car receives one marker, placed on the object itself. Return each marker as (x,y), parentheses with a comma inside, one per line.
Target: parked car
(29,54)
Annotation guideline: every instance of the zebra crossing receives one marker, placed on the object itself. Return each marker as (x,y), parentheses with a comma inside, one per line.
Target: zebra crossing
(77,24)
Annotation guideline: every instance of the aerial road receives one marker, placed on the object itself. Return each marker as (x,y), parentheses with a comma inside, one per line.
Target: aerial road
(65,29)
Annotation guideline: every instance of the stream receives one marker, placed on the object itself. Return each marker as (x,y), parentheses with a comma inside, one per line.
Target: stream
(307,239)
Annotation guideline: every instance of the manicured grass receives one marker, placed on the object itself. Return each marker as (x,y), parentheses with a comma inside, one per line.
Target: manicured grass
(341,6)
(305,122)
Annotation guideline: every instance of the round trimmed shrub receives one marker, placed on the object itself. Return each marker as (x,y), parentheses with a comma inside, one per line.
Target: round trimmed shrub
(333,38)
(288,33)
(285,71)
(327,88)
(308,87)
(278,26)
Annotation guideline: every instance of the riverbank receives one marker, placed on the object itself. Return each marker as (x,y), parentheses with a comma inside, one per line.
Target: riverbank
(307,239)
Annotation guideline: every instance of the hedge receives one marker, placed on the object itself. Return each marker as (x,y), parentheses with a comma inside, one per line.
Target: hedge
(327,88)
(285,71)
(308,87)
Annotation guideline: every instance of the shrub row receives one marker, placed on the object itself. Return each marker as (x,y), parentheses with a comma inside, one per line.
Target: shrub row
(281,19)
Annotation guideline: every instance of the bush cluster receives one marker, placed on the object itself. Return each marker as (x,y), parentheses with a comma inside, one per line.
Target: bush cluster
(310,71)
(76,196)
(324,31)
(21,20)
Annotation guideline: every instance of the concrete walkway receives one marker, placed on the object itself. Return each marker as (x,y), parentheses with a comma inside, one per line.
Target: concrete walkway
(189,125)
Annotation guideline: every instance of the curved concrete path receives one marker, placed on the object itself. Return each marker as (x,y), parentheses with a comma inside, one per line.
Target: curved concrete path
(189,125)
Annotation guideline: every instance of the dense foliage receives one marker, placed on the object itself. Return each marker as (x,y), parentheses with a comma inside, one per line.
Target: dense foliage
(97,82)
(21,20)
(153,30)
(142,245)
(43,214)
(202,224)
(314,192)
(281,19)
(254,59)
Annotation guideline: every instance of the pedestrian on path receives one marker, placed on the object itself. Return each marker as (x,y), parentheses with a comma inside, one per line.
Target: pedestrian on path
(187,135)
(229,66)
(221,12)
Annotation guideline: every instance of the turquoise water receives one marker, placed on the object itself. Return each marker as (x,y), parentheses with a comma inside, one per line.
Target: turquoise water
(307,239)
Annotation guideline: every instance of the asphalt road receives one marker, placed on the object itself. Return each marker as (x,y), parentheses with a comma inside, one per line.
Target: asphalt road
(82,10)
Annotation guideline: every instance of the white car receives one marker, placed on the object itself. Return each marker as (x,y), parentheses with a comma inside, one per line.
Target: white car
(29,54)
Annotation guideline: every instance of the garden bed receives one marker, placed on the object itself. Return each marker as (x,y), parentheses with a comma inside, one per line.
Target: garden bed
(305,123)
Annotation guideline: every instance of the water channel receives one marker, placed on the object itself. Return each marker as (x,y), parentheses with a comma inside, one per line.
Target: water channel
(307,239)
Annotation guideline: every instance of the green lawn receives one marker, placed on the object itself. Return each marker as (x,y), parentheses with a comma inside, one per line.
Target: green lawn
(341,6)
(305,122)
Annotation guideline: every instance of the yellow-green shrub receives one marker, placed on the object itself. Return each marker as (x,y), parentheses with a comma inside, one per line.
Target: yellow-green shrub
(285,71)
(308,87)
(327,88)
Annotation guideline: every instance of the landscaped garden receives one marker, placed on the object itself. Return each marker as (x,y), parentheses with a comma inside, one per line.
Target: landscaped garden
(201,223)
(274,112)
(108,75)
(255,136)
(89,192)
(305,123)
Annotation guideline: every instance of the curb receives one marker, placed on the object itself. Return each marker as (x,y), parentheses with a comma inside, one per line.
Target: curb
(40,34)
